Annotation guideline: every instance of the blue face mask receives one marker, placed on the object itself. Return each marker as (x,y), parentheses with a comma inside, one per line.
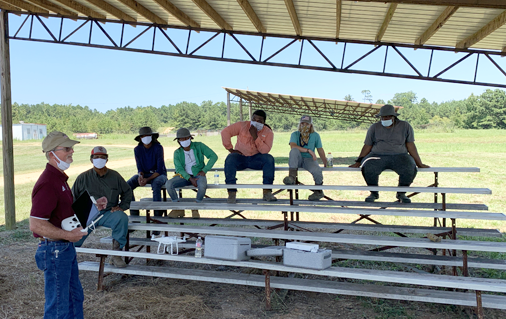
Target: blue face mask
(387,123)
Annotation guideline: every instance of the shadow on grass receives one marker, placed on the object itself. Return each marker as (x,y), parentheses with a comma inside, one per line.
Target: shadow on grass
(336,161)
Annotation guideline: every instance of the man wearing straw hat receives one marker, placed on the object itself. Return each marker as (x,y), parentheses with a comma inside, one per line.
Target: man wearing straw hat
(389,144)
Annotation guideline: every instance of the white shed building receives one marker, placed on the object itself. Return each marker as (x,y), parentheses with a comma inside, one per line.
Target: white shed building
(28,131)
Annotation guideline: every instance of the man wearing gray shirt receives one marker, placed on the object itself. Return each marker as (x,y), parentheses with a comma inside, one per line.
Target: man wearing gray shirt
(389,144)
(101,181)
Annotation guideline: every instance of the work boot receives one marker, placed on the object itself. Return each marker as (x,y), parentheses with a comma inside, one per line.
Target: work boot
(371,198)
(403,198)
(231,197)
(195,214)
(117,261)
(176,213)
(268,196)
(317,195)
(291,179)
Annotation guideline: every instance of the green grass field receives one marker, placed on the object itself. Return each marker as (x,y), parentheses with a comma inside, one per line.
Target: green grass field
(485,149)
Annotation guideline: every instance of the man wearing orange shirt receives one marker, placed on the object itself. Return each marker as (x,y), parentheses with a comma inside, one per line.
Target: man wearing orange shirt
(254,142)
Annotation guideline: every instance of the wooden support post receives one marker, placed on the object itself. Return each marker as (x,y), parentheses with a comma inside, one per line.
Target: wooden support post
(7,142)
(465,269)
(479,307)
(100,284)
(240,110)
(267,290)
(250,111)
(228,109)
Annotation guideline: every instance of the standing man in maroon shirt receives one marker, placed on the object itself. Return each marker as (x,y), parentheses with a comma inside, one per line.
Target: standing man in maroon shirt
(56,256)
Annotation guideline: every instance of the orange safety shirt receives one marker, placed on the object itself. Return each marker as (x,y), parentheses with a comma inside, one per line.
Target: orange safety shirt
(245,143)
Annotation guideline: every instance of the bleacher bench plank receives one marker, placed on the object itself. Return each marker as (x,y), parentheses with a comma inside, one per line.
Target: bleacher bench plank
(445,281)
(368,255)
(441,190)
(149,205)
(331,238)
(345,203)
(320,286)
(317,225)
(353,169)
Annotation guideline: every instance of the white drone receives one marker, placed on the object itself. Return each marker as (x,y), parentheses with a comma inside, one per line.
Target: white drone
(169,240)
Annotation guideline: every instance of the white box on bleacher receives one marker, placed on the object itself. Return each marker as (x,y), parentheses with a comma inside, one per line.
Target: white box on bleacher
(226,247)
(303,246)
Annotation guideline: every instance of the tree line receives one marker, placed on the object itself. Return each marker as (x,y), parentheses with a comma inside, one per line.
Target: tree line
(484,111)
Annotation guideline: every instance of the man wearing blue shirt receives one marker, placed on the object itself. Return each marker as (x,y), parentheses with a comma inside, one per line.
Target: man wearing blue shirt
(150,166)
(303,143)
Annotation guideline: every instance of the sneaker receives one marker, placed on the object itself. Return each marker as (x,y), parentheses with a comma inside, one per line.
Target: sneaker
(403,198)
(269,197)
(371,198)
(232,198)
(289,180)
(317,195)
(118,262)
(176,213)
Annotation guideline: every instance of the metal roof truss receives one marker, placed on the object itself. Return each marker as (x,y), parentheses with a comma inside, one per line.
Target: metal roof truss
(296,47)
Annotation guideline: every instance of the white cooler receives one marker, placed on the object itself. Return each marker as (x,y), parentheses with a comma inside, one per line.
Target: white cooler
(227,248)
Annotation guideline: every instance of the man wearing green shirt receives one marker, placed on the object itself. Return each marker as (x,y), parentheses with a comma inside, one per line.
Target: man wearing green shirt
(303,143)
(190,166)
(99,182)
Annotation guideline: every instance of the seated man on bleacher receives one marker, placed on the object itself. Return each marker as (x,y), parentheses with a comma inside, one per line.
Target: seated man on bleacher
(254,142)
(190,167)
(303,143)
(389,144)
(100,181)
(150,166)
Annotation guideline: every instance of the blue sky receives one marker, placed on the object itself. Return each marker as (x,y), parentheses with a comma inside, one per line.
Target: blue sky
(107,79)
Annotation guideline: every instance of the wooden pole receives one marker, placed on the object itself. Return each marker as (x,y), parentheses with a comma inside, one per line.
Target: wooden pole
(7,143)
(240,110)
(228,109)
(250,111)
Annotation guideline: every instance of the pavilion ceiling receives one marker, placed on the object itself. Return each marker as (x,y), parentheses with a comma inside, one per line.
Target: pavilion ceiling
(459,24)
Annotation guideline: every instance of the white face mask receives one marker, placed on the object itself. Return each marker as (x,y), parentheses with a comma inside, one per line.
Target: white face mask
(146,140)
(99,162)
(259,126)
(387,123)
(185,143)
(61,164)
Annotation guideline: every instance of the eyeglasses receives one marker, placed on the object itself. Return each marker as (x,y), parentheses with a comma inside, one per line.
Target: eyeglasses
(66,149)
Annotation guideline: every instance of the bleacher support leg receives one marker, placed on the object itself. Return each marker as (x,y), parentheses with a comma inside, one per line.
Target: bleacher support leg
(479,307)
(267,289)
(465,270)
(100,284)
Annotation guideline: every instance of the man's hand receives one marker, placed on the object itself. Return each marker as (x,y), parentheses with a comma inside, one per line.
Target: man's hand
(253,131)
(201,173)
(101,203)
(75,235)
(142,181)
(116,208)
(193,180)
(356,165)
(423,166)
(313,155)
(235,151)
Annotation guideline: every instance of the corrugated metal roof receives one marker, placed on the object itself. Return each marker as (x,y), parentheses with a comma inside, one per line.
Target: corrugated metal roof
(302,105)
(360,20)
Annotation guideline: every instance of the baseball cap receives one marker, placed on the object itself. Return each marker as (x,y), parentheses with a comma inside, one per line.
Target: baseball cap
(99,150)
(306,119)
(54,139)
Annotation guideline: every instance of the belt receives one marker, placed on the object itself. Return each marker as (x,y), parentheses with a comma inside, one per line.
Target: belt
(42,240)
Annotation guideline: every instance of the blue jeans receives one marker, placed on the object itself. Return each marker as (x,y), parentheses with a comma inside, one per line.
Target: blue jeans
(156,186)
(237,162)
(177,182)
(117,221)
(62,287)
